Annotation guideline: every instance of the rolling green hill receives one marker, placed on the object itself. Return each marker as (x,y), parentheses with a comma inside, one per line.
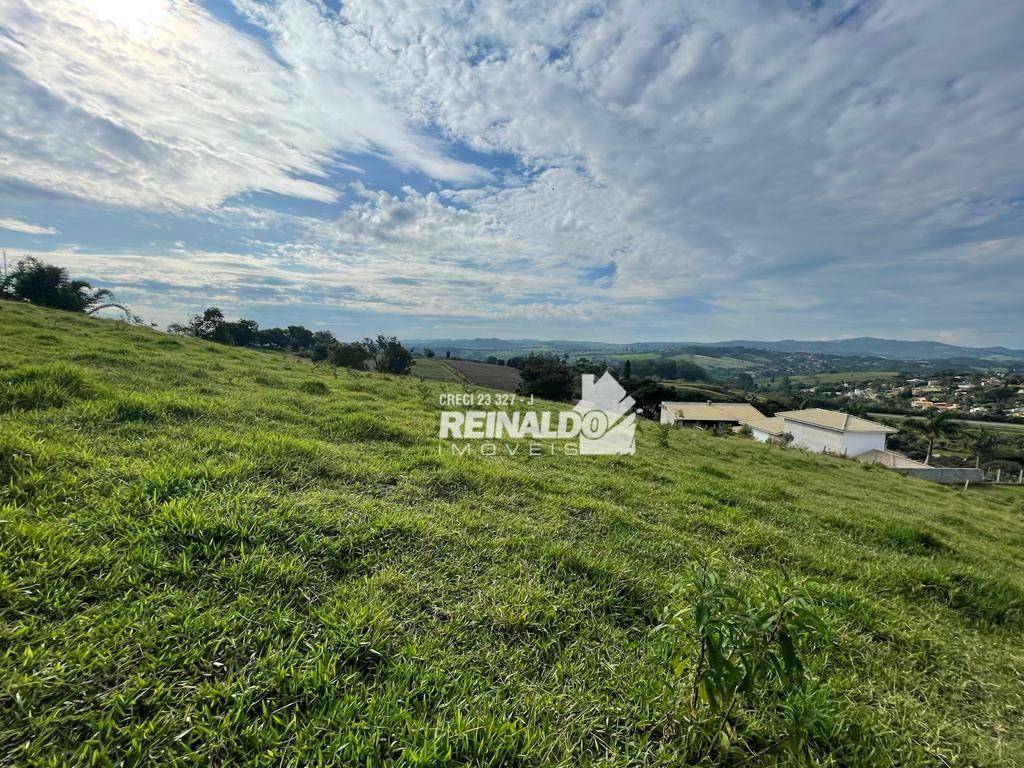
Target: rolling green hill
(839,377)
(433,369)
(213,555)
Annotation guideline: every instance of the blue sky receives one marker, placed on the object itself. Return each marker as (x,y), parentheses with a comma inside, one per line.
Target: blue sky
(593,170)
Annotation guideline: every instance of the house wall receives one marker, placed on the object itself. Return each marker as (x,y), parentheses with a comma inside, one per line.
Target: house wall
(667,417)
(761,437)
(859,442)
(821,440)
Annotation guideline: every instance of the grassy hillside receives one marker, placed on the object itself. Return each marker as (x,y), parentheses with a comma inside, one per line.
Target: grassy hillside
(433,369)
(213,555)
(839,377)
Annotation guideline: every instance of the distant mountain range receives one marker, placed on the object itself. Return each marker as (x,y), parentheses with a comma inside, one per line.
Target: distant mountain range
(864,346)
(493,344)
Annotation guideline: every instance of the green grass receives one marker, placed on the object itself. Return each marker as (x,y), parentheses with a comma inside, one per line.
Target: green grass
(1010,493)
(707,390)
(433,369)
(728,363)
(838,377)
(624,356)
(206,560)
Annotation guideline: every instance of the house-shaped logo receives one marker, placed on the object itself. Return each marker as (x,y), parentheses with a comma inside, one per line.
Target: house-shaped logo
(609,422)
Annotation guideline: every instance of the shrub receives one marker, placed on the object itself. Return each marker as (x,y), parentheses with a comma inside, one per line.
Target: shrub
(352,355)
(742,646)
(389,356)
(314,388)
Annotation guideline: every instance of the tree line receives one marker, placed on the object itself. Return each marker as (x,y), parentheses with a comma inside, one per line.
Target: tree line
(49,285)
(554,377)
(382,353)
(961,444)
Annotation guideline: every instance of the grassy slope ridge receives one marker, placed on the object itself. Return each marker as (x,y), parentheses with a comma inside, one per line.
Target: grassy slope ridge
(216,554)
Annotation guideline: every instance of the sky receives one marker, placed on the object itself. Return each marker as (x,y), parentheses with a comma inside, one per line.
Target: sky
(616,170)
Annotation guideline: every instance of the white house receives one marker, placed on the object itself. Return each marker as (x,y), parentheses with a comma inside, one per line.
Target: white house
(766,430)
(822,431)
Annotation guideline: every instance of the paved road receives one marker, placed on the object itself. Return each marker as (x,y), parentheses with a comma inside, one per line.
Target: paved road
(998,425)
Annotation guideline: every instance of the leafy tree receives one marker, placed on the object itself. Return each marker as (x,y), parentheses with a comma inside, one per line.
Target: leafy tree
(627,370)
(352,355)
(984,443)
(209,325)
(649,394)
(276,338)
(1000,393)
(427,352)
(324,337)
(666,368)
(389,356)
(546,376)
(301,337)
(690,371)
(584,365)
(320,353)
(935,427)
(745,381)
(242,333)
(51,286)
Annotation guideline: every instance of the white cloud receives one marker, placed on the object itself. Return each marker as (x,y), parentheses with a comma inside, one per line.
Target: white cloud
(29,229)
(736,149)
(727,168)
(173,108)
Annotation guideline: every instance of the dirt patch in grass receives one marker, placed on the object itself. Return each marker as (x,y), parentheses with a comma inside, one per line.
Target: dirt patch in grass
(486,375)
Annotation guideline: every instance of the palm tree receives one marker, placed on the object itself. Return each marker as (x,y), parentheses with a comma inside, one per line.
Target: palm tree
(983,441)
(935,427)
(51,286)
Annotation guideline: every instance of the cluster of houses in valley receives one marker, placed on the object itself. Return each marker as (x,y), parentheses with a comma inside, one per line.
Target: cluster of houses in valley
(997,395)
(970,395)
(812,429)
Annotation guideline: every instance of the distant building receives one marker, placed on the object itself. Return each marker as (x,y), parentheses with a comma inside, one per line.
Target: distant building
(708,415)
(923,403)
(822,431)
